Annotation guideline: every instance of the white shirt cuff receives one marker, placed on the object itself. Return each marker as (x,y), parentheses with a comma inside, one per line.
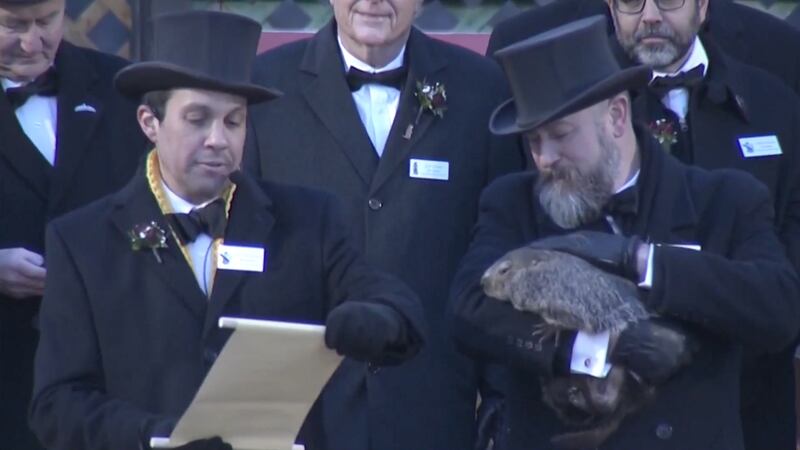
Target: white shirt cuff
(647,283)
(589,354)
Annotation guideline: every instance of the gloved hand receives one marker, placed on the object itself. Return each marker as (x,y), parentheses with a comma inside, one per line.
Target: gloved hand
(653,349)
(214,443)
(610,252)
(367,332)
(491,425)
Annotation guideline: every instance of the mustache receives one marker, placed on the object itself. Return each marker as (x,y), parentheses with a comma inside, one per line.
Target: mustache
(657,30)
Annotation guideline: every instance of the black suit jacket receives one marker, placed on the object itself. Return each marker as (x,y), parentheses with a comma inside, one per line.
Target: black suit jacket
(738,101)
(752,36)
(96,153)
(126,340)
(416,229)
(740,290)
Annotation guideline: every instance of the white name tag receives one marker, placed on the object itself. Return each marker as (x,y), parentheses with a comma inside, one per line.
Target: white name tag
(234,257)
(428,169)
(753,147)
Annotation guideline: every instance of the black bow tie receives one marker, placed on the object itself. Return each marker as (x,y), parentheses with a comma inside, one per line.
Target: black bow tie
(688,79)
(209,219)
(393,78)
(625,202)
(45,85)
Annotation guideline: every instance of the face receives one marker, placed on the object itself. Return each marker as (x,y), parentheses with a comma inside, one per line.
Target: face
(374,23)
(199,142)
(659,39)
(29,38)
(578,163)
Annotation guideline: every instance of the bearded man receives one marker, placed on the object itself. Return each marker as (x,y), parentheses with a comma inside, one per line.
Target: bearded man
(700,245)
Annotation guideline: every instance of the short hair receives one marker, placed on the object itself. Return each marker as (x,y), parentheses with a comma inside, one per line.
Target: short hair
(157,102)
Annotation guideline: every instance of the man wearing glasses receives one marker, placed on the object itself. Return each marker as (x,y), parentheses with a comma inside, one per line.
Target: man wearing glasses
(708,109)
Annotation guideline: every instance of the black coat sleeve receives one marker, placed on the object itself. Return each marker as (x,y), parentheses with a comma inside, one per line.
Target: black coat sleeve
(484,327)
(70,408)
(749,294)
(350,278)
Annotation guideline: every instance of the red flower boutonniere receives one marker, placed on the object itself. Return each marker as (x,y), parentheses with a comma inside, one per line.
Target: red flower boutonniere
(148,236)
(664,132)
(431,97)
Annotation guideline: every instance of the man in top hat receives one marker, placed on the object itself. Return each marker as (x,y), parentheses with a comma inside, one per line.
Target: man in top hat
(66,138)
(700,245)
(745,33)
(394,123)
(135,288)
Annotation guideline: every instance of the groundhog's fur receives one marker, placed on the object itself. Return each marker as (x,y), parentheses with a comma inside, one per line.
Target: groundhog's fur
(571,294)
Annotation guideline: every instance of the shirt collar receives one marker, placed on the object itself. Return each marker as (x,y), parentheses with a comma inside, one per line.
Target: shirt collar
(352,61)
(697,56)
(179,205)
(631,182)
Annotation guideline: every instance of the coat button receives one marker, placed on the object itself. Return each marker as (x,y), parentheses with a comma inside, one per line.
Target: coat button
(374,204)
(209,356)
(664,431)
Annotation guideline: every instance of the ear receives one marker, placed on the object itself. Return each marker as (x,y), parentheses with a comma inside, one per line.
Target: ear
(702,9)
(148,121)
(619,110)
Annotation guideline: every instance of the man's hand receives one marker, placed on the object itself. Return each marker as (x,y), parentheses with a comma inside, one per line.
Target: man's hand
(214,443)
(610,252)
(367,332)
(21,273)
(653,349)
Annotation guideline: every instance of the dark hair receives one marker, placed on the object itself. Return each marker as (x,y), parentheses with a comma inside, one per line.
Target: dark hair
(157,102)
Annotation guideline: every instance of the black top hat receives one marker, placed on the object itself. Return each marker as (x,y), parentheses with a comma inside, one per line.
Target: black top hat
(560,72)
(198,49)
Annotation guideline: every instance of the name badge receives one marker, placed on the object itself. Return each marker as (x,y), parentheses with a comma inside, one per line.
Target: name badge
(234,257)
(756,146)
(427,169)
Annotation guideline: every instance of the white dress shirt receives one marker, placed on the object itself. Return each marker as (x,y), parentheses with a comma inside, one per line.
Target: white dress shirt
(376,104)
(38,118)
(677,100)
(590,350)
(200,251)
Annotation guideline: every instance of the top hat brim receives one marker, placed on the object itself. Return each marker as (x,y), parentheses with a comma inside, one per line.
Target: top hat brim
(138,79)
(504,118)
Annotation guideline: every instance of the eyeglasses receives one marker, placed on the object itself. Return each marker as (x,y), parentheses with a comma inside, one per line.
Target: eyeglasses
(637,6)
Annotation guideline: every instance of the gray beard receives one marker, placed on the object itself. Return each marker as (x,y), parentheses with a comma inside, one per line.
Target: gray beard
(572,199)
(660,56)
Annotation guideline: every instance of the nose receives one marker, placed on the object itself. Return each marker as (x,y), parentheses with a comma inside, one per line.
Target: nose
(31,40)
(547,156)
(216,138)
(651,13)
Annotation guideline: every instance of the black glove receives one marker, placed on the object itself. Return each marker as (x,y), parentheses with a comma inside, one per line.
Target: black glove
(653,349)
(609,252)
(214,443)
(491,425)
(367,332)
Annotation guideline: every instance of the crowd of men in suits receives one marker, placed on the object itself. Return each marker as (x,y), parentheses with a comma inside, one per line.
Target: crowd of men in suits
(382,172)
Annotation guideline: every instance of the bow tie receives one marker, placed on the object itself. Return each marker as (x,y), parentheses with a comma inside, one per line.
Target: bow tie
(45,85)
(392,78)
(209,219)
(625,202)
(688,79)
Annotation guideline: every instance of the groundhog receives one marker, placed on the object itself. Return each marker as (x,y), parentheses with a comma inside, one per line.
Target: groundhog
(571,294)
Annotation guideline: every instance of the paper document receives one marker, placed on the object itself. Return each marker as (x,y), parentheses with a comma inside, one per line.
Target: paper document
(260,388)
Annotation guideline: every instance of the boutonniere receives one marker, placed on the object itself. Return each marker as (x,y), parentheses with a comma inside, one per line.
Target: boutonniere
(150,236)
(664,132)
(431,97)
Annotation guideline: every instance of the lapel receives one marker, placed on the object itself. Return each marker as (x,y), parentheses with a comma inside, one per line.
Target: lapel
(329,97)
(21,154)
(250,223)
(135,204)
(424,64)
(666,208)
(77,81)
